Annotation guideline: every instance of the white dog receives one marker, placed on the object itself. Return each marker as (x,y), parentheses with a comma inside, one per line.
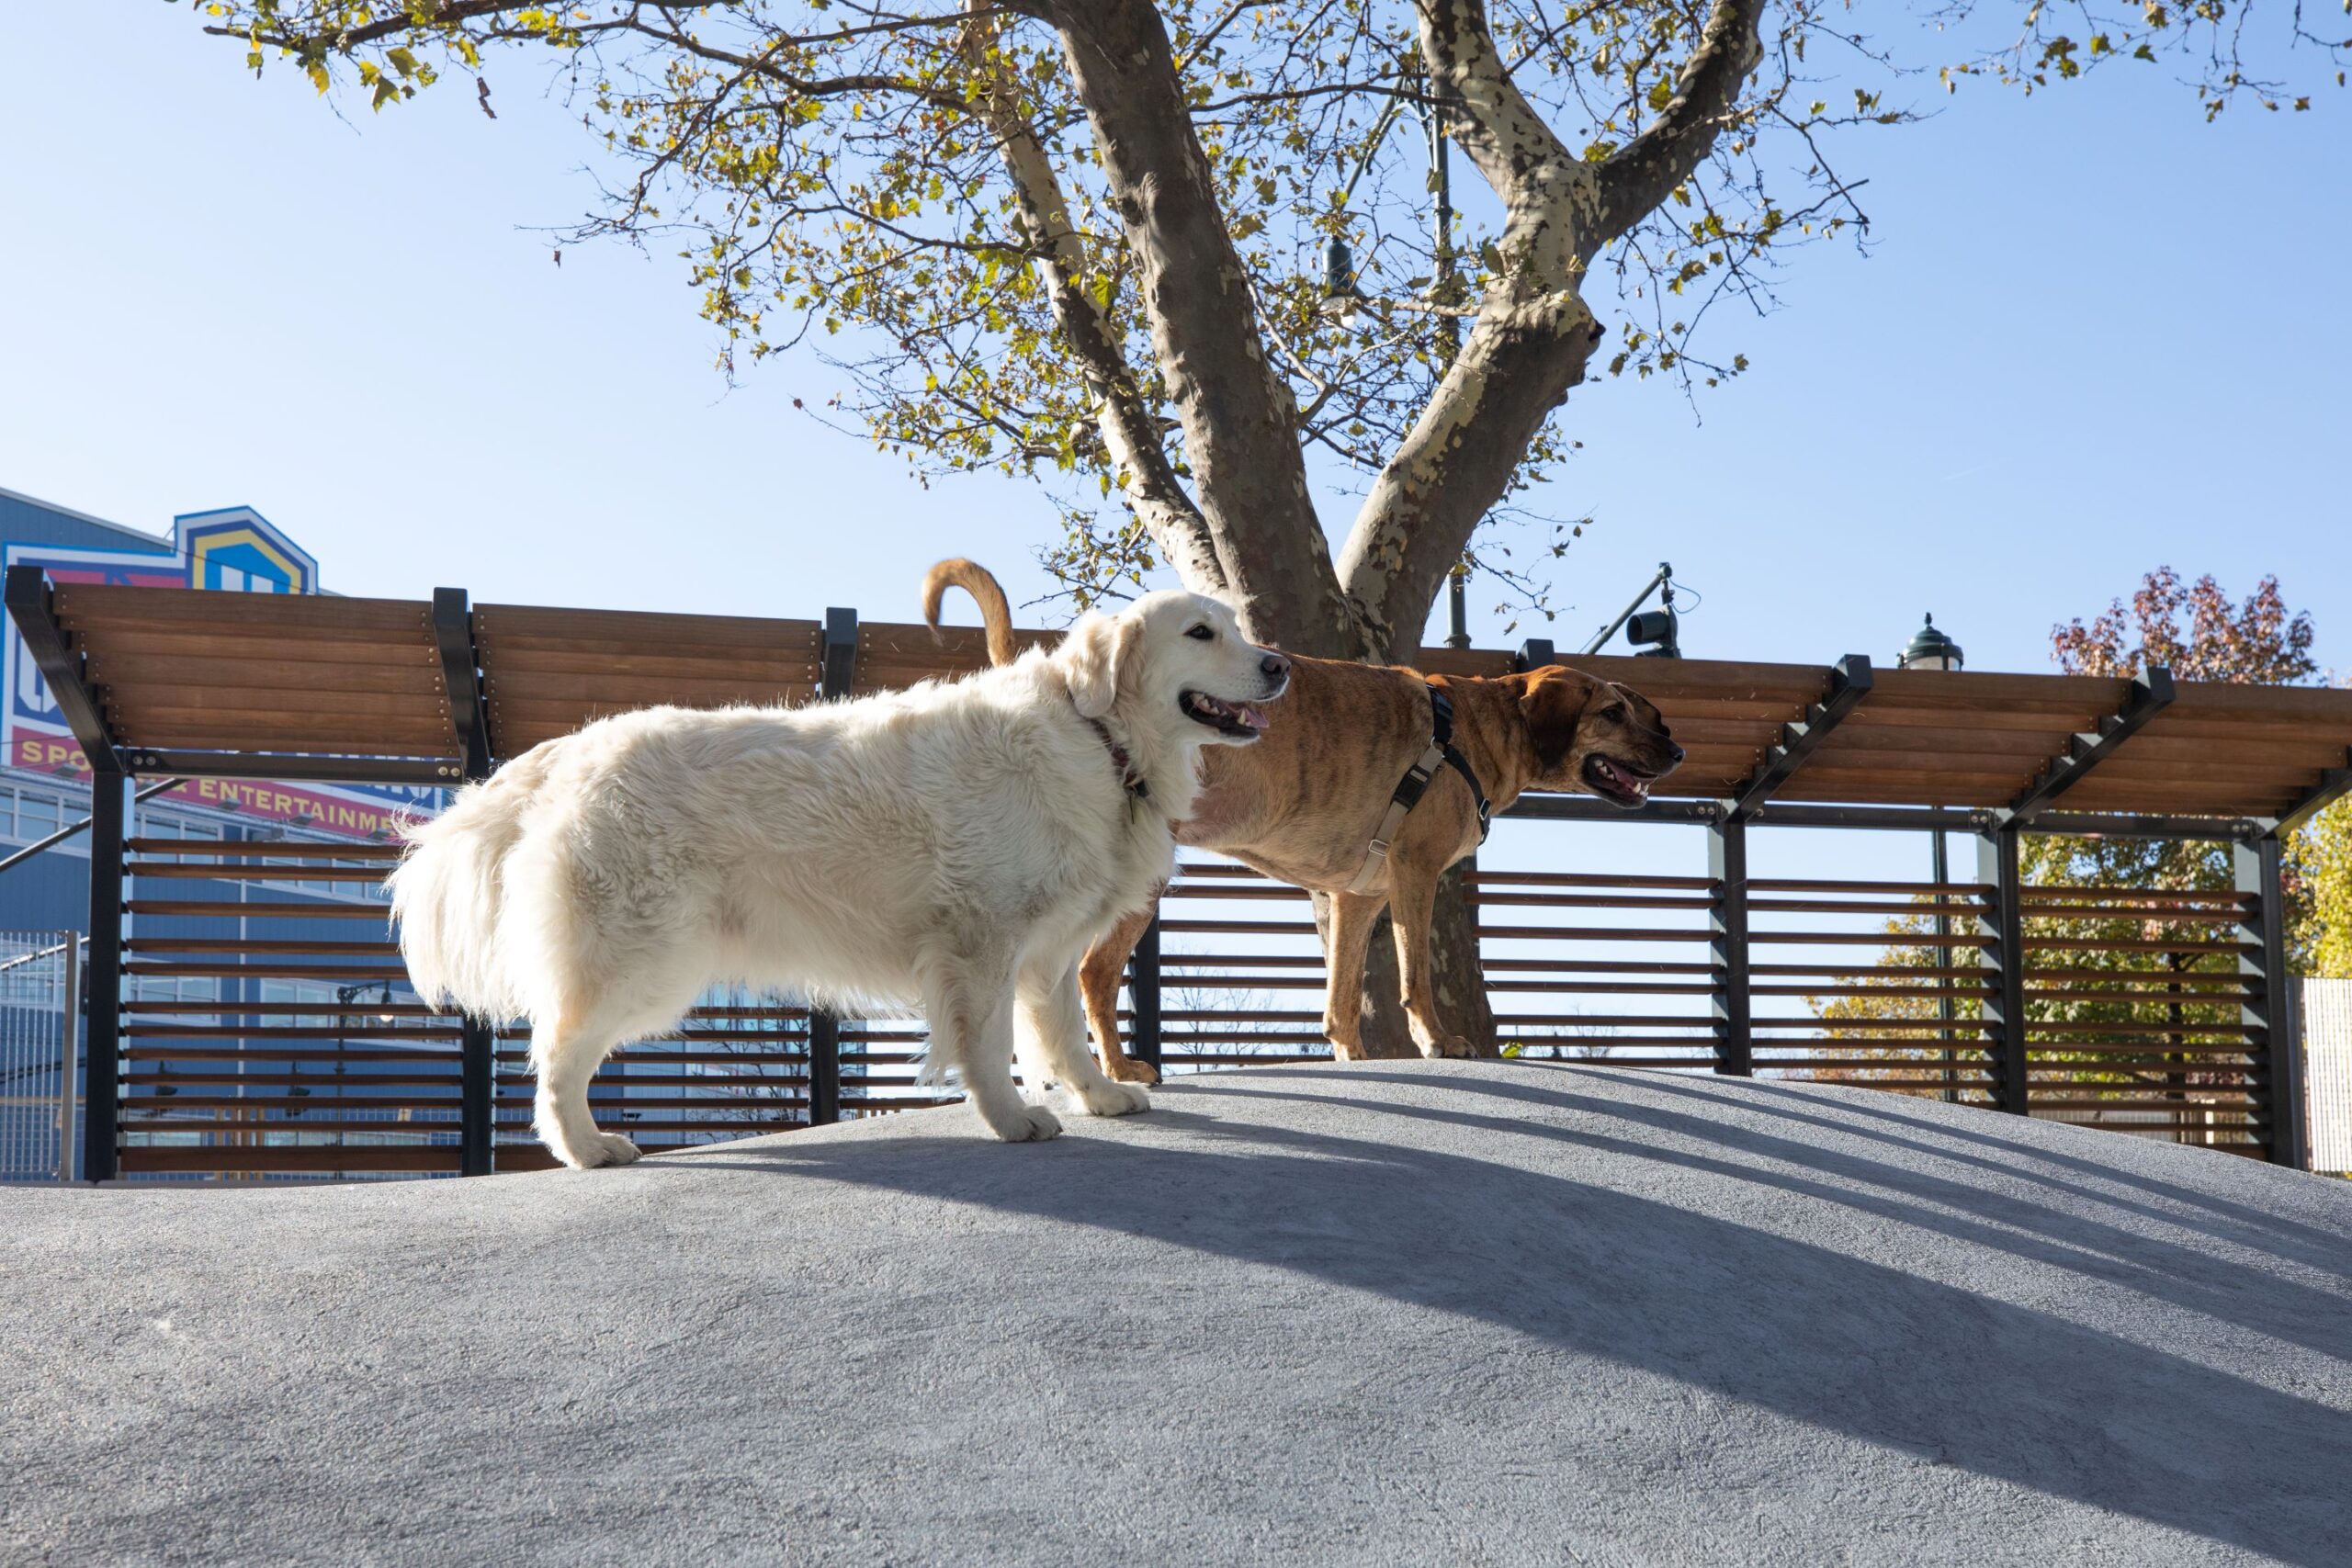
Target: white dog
(955,844)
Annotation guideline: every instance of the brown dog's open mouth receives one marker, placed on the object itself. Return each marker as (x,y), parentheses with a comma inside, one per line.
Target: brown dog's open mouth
(1615,782)
(1241,720)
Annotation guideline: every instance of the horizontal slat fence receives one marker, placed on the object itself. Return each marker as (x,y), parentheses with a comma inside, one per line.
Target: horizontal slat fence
(250,1052)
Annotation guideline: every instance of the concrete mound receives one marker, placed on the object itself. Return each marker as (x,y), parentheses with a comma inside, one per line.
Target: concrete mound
(1392,1312)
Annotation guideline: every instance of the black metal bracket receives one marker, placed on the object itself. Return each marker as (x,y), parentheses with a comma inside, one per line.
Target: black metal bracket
(1849,683)
(824,1067)
(1143,994)
(1533,654)
(453,635)
(1591,808)
(2334,785)
(30,605)
(2152,693)
(838,672)
(1731,991)
(2002,918)
(2268,1011)
(281,769)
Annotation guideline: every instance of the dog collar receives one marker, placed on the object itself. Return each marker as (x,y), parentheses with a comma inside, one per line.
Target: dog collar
(1441,753)
(1134,783)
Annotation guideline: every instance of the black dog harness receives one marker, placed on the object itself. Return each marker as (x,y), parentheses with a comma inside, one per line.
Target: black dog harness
(1416,784)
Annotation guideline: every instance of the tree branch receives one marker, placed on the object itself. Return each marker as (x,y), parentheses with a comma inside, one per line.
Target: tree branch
(1130,430)
(1240,425)
(1640,175)
(1527,345)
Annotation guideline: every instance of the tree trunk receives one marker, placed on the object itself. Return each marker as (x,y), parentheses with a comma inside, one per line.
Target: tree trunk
(1460,978)
(1453,964)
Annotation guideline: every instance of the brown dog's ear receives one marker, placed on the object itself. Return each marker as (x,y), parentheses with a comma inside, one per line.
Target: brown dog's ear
(1552,707)
(1091,657)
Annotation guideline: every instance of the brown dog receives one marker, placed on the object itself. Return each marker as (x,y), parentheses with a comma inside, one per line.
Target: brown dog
(1305,803)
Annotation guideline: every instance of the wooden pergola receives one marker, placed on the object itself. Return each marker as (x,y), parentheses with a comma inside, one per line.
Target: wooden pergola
(160,683)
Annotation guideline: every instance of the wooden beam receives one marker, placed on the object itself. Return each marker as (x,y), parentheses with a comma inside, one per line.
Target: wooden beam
(2150,693)
(1849,683)
(2334,785)
(29,605)
(453,638)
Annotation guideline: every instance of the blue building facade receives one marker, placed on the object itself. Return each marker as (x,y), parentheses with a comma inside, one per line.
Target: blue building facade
(44,780)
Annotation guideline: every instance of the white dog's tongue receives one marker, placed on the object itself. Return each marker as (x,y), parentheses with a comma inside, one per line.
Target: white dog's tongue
(1250,715)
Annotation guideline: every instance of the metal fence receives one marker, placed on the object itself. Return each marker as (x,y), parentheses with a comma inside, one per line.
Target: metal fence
(247,1052)
(2327,1059)
(39,1054)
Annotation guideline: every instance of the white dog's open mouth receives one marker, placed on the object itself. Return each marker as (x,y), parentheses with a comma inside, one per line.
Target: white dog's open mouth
(1242,720)
(1615,782)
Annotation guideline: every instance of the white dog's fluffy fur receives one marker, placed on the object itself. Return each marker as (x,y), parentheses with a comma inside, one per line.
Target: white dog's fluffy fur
(956,845)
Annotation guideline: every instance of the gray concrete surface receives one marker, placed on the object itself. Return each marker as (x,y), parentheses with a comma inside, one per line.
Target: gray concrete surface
(1395,1313)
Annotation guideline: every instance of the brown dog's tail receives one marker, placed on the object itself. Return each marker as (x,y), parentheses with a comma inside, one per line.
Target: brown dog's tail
(974,580)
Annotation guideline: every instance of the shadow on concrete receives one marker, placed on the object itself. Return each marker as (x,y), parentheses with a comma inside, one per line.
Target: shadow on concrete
(1788,1322)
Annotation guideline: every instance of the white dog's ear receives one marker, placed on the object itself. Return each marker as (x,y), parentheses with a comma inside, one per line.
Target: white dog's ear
(1091,657)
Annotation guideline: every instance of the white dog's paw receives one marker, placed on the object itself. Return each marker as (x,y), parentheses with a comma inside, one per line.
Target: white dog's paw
(592,1150)
(614,1149)
(1030,1124)
(1108,1098)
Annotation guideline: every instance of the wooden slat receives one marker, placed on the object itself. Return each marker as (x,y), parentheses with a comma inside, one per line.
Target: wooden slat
(639,631)
(300,650)
(153,676)
(178,1159)
(615,691)
(242,872)
(722,664)
(170,704)
(92,606)
(247,849)
(249,732)
(510,712)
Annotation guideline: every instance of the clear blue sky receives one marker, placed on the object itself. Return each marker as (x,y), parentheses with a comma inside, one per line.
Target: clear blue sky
(2097,335)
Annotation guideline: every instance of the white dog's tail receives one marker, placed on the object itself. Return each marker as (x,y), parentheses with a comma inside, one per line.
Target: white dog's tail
(449,891)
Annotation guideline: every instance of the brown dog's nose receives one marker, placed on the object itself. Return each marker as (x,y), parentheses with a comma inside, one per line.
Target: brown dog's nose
(1676,751)
(1274,664)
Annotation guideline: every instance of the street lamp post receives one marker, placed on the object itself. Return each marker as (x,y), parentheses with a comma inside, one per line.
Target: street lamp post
(1340,288)
(1930,650)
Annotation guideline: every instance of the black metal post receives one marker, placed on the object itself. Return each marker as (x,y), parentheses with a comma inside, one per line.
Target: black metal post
(452,637)
(2269,1006)
(101,1104)
(1727,924)
(2002,918)
(838,671)
(1142,997)
(824,1067)
(836,675)
(1940,872)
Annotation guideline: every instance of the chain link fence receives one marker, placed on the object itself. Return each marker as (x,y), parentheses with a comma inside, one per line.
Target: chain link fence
(2327,1072)
(39,1054)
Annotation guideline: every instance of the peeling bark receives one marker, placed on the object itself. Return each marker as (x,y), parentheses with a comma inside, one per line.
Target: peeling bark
(1239,421)
(1146,479)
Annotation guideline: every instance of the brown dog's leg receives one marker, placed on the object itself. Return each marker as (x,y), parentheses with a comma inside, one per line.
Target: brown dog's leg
(1410,909)
(1352,916)
(1098,981)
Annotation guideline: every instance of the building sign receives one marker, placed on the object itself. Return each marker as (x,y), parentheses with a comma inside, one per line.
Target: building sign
(232,551)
